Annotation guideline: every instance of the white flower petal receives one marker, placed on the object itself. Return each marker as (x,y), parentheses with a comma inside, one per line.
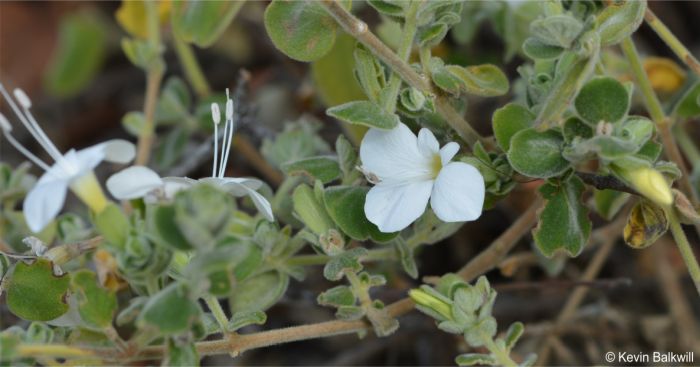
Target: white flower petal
(427,143)
(252,183)
(261,204)
(133,182)
(119,151)
(393,155)
(44,201)
(458,194)
(172,185)
(393,207)
(448,152)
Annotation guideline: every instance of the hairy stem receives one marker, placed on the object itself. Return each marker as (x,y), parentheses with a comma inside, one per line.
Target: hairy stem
(684,247)
(191,67)
(154,76)
(673,43)
(501,355)
(404,51)
(359,30)
(218,312)
(489,258)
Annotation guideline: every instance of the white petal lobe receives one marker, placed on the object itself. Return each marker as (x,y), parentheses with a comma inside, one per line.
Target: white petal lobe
(133,182)
(261,204)
(393,155)
(43,202)
(458,194)
(448,152)
(394,207)
(119,151)
(427,143)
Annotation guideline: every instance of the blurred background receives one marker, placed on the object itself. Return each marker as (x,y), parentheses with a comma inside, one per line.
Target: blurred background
(67,57)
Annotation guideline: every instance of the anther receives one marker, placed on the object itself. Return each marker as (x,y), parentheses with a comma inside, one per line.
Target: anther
(215,113)
(22,98)
(5,124)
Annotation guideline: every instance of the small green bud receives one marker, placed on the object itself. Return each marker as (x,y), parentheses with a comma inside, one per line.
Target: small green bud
(431,302)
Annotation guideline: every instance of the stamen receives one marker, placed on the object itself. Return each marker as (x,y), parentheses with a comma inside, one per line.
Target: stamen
(25,152)
(41,139)
(26,104)
(216,116)
(229,125)
(7,130)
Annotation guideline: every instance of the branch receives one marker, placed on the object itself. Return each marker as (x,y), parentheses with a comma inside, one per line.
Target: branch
(360,31)
(605,182)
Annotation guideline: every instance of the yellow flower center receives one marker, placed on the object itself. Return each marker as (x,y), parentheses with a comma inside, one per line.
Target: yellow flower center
(436,166)
(89,191)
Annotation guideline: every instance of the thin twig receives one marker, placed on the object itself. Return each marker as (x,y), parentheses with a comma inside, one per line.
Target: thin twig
(670,39)
(608,235)
(360,31)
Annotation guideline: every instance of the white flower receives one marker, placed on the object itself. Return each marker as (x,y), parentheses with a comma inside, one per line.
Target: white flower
(410,171)
(142,182)
(72,170)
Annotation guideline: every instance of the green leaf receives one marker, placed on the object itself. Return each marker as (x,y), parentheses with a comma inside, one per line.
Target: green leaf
(513,334)
(171,311)
(345,204)
(337,296)
(364,113)
(203,22)
(181,353)
(325,169)
(350,313)
(471,359)
(575,127)
(79,55)
(171,147)
(573,69)
(602,99)
(96,304)
(443,78)
(113,225)
(347,159)
(303,30)
(334,76)
(348,260)
(163,228)
(412,99)
(35,292)
(175,100)
(482,80)
(203,214)
(224,266)
(432,35)
(564,223)
(689,104)
(143,54)
(508,120)
(388,7)
(408,261)
(245,318)
(557,30)
(538,50)
(537,154)
(299,140)
(619,20)
(370,73)
(134,122)
(259,293)
(311,211)
(609,202)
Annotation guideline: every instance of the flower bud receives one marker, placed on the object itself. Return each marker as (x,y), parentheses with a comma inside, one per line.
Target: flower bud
(650,183)
(431,302)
